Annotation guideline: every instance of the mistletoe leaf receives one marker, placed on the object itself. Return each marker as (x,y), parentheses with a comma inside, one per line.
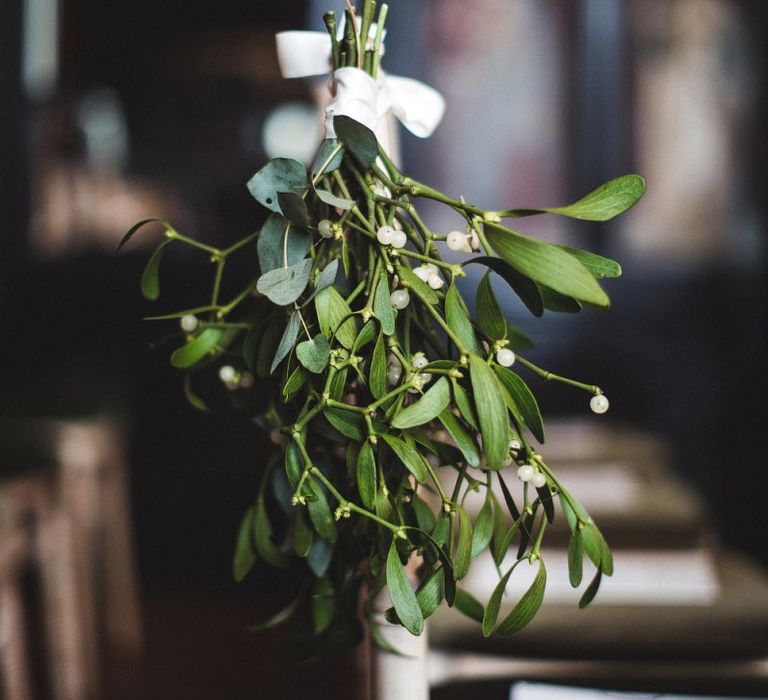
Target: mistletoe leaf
(429,595)
(494,425)
(524,400)
(462,437)
(591,591)
(150,279)
(365,473)
(287,341)
(468,605)
(489,316)
(377,379)
(328,158)
(527,606)
(600,267)
(139,224)
(403,596)
(283,285)
(559,303)
(366,336)
(245,556)
(294,208)
(575,559)
(347,423)
(458,319)
(547,265)
(525,288)
(464,405)
(320,513)
(491,613)
(382,306)
(280,242)
(358,139)
(483,531)
(313,354)
(428,407)
(463,546)
(332,309)
(279,175)
(262,535)
(302,534)
(420,288)
(411,458)
(197,348)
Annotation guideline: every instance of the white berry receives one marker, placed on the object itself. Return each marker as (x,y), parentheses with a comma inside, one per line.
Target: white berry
(474,241)
(456,240)
(425,377)
(599,403)
(227,374)
(189,323)
(525,472)
(381,191)
(539,480)
(419,360)
(393,376)
(400,298)
(394,363)
(422,272)
(505,357)
(435,280)
(431,267)
(399,239)
(385,235)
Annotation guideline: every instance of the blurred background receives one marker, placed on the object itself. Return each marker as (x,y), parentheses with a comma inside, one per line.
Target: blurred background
(115,112)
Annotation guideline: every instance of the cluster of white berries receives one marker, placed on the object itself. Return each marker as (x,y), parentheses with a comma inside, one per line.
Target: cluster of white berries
(505,357)
(528,472)
(387,235)
(233,379)
(465,242)
(394,371)
(599,403)
(430,274)
(420,361)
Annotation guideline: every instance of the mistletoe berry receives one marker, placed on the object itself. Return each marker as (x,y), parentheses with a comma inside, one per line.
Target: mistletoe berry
(599,403)
(505,357)
(189,323)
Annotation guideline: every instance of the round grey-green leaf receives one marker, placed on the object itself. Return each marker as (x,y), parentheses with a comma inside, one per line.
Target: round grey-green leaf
(283,285)
(314,354)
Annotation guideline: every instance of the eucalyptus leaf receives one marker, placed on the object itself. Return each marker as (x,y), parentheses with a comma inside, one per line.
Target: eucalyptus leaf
(150,279)
(401,593)
(428,407)
(280,242)
(284,285)
(245,556)
(294,208)
(527,606)
(458,319)
(314,354)
(489,316)
(462,437)
(287,341)
(526,289)
(382,306)
(328,158)
(365,473)
(411,458)
(524,400)
(547,265)
(197,348)
(358,139)
(491,412)
(333,201)
(278,175)
(332,309)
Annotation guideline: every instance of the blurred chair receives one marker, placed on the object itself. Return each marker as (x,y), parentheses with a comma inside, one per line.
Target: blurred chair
(66,495)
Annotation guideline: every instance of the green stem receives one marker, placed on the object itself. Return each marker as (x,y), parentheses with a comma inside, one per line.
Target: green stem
(544,374)
(448,330)
(236,246)
(390,395)
(217,280)
(176,236)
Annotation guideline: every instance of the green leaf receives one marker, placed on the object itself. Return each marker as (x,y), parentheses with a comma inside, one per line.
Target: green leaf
(527,606)
(491,613)
(314,354)
(524,400)
(288,340)
(332,309)
(194,400)
(332,200)
(267,347)
(546,264)
(593,543)
(365,473)
(458,319)
(591,591)
(420,288)
(279,175)
(494,424)
(347,423)
(410,457)
(609,200)
(483,531)
(284,285)
(197,348)
(575,559)
(245,557)
(320,512)
(382,306)
(131,231)
(297,380)
(401,593)
(463,546)
(262,535)
(525,288)
(323,605)
(150,280)
(366,336)
(489,316)
(599,266)
(429,595)
(279,240)
(294,208)
(464,405)
(462,437)
(468,605)
(328,158)
(319,557)
(377,379)
(428,407)
(327,277)
(359,140)
(558,303)
(302,534)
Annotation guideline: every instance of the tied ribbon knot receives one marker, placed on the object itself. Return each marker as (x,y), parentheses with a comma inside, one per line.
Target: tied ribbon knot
(357,95)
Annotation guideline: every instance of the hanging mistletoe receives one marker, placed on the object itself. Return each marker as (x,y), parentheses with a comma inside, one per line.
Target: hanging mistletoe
(378,383)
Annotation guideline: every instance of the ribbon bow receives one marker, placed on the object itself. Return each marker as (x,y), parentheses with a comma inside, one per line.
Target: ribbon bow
(370,102)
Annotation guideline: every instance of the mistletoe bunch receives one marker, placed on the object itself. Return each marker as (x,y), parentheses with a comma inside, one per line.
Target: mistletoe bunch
(376,382)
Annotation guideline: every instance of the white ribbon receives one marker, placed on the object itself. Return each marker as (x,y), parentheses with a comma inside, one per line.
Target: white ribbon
(357,95)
